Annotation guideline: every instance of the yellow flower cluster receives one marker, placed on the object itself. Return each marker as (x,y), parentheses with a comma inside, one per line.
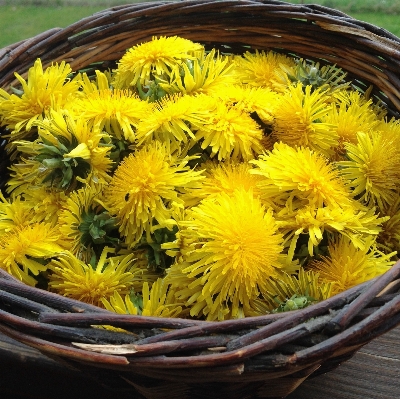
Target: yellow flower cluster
(189,183)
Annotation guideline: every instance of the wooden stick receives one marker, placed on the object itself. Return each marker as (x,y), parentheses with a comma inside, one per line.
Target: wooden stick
(48,298)
(64,351)
(118,320)
(296,317)
(31,306)
(159,348)
(88,335)
(235,356)
(356,332)
(346,315)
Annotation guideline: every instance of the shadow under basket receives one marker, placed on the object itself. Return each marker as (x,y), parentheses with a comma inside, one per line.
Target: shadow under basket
(263,357)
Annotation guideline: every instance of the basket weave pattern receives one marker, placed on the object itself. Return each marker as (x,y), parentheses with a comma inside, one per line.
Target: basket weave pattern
(267,356)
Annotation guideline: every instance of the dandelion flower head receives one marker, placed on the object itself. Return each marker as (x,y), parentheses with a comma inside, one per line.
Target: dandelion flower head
(373,168)
(205,74)
(231,133)
(347,266)
(76,279)
(261,68)
(143,188)
(224,177)
(303,173)
(71,152)
(231,248)
(250,99)
(14,213)
(350,221)
(43,89)
(115,111)
(299,115)
(45,202)
(160,301)
(306,284)
(156,57)
(23,249)
(350,115)
(85,223)
(175,119)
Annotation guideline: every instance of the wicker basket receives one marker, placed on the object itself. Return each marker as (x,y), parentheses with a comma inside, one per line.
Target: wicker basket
(263,357)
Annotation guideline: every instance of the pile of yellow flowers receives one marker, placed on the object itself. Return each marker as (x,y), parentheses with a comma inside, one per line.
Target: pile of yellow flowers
(192,183)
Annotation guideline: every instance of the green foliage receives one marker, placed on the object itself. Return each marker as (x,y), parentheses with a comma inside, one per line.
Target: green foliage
(327,78)
(98,228)
(137,301)
(156,255)
(61,171)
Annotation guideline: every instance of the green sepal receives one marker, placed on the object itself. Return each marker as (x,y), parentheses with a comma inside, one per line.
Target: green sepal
(98,229)
(156,255)
(295,302)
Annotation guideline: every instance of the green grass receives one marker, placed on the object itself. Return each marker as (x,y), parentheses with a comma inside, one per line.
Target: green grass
(389,22)
(18,22)
(357,6)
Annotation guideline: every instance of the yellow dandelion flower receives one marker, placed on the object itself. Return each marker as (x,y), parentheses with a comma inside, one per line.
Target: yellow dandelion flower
(74,278)
(261,68)
(231,248)
(116,111)
(23,250)
(120,305)
(231,133)
(144,187)
(347,265)
(256,307)
(45,202)
(174,120)
(373,168)
(350,222)
(160,301)
(24,174)
(156,57)
(85,224)
(44,89)
(351,115)
(71,152)
(14,213)
(189,291)
(142,268)
(390,129)
(354,97)
(101,82)
(306,285)
(389,238)
(300,172)
(257,100)
(202,75)
(299,115)
(224,177)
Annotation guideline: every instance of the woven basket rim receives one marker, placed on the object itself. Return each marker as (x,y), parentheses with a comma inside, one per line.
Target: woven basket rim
(368,53)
